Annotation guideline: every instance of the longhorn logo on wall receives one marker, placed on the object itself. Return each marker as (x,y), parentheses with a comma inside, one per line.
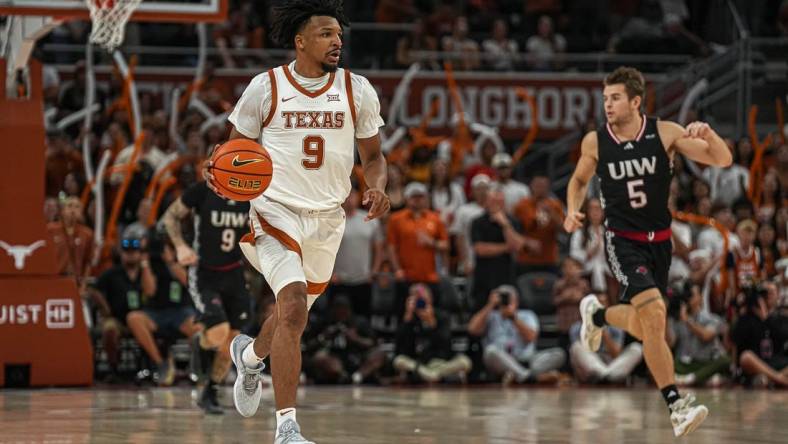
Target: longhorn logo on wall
(21,252)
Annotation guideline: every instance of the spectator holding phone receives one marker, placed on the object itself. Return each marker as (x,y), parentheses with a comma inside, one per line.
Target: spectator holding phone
(509,338)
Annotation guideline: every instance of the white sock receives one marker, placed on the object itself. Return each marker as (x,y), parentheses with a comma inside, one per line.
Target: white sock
(249,357)
(283,415)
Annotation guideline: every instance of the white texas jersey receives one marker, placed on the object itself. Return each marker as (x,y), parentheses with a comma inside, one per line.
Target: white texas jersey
(311,139)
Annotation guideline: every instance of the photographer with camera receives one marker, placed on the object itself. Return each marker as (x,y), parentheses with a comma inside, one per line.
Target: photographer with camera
(694,335)
(423,343)
(509,338)
(341,346)
(759,336)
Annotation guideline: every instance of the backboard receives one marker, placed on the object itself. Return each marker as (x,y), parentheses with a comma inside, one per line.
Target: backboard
(148,11)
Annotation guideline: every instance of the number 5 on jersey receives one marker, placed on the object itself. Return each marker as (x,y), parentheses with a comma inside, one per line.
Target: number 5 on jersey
(313,149)
(637,198)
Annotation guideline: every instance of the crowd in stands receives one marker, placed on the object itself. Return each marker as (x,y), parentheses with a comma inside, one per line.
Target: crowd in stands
(482,34)
(470,277)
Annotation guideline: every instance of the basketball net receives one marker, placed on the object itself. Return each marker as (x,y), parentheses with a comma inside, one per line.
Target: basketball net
(109,19)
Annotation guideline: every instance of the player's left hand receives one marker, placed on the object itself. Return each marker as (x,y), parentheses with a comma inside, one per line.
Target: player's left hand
(698,130)
(378,201)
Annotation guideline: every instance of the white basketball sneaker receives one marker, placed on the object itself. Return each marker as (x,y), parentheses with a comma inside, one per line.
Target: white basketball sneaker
(685,417)
(290,433)
(590,334)
(247,390)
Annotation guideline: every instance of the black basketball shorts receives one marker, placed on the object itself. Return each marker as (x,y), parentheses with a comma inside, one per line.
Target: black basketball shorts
(638,266)
(220,296)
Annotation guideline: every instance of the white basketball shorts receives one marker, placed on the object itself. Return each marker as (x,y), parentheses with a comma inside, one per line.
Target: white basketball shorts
(293,245)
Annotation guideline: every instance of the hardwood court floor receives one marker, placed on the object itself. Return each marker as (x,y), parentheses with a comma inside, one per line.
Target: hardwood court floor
(391,415)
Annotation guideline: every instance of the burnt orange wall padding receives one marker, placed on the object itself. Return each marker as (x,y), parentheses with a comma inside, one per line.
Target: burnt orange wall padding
(39,310)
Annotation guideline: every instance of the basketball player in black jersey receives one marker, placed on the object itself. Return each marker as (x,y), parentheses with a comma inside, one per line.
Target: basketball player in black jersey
(216,279)
(633,154)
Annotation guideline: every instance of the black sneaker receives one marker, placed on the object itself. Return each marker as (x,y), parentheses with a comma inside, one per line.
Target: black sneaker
(209,400)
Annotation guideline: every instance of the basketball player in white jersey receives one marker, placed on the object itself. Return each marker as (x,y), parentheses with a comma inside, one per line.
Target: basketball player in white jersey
(308,114)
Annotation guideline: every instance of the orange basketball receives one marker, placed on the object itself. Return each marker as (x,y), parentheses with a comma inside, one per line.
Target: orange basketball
(241,169)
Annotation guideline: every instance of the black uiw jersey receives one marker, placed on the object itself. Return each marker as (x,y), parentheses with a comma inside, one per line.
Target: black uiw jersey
(635,179)
(218,225)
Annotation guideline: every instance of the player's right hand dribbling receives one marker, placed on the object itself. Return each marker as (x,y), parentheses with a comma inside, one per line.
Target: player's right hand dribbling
(573,221)
(186,256)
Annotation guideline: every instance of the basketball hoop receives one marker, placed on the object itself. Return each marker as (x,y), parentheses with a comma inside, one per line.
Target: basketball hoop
(109,19)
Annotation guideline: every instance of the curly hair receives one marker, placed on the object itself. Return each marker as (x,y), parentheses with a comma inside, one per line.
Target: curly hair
(291,16)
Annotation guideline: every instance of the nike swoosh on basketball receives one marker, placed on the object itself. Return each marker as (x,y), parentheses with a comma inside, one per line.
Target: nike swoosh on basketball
(289,98)
(239,163)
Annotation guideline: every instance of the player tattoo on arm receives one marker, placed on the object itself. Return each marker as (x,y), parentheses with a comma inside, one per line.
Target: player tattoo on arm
(172,222)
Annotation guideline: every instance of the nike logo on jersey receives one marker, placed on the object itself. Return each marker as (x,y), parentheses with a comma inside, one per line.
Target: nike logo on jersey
(629,146)
(650,136)
(239,163)
(288,99)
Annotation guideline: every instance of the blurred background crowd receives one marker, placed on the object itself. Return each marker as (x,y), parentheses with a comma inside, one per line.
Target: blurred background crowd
(471,276)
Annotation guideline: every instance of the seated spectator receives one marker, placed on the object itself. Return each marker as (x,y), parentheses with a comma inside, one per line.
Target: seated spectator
(415,237)
(360,256)
(495,238)
(73,240)
(500,50)
(567,293)
(120,290)
(541,217)
(168,313)
(423,342)
(760,358)
(613,362)
(342,347)
(461,226)
(417,40)
(694,336)
(465,49)
(509,336)
(513,190)
(544,46)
